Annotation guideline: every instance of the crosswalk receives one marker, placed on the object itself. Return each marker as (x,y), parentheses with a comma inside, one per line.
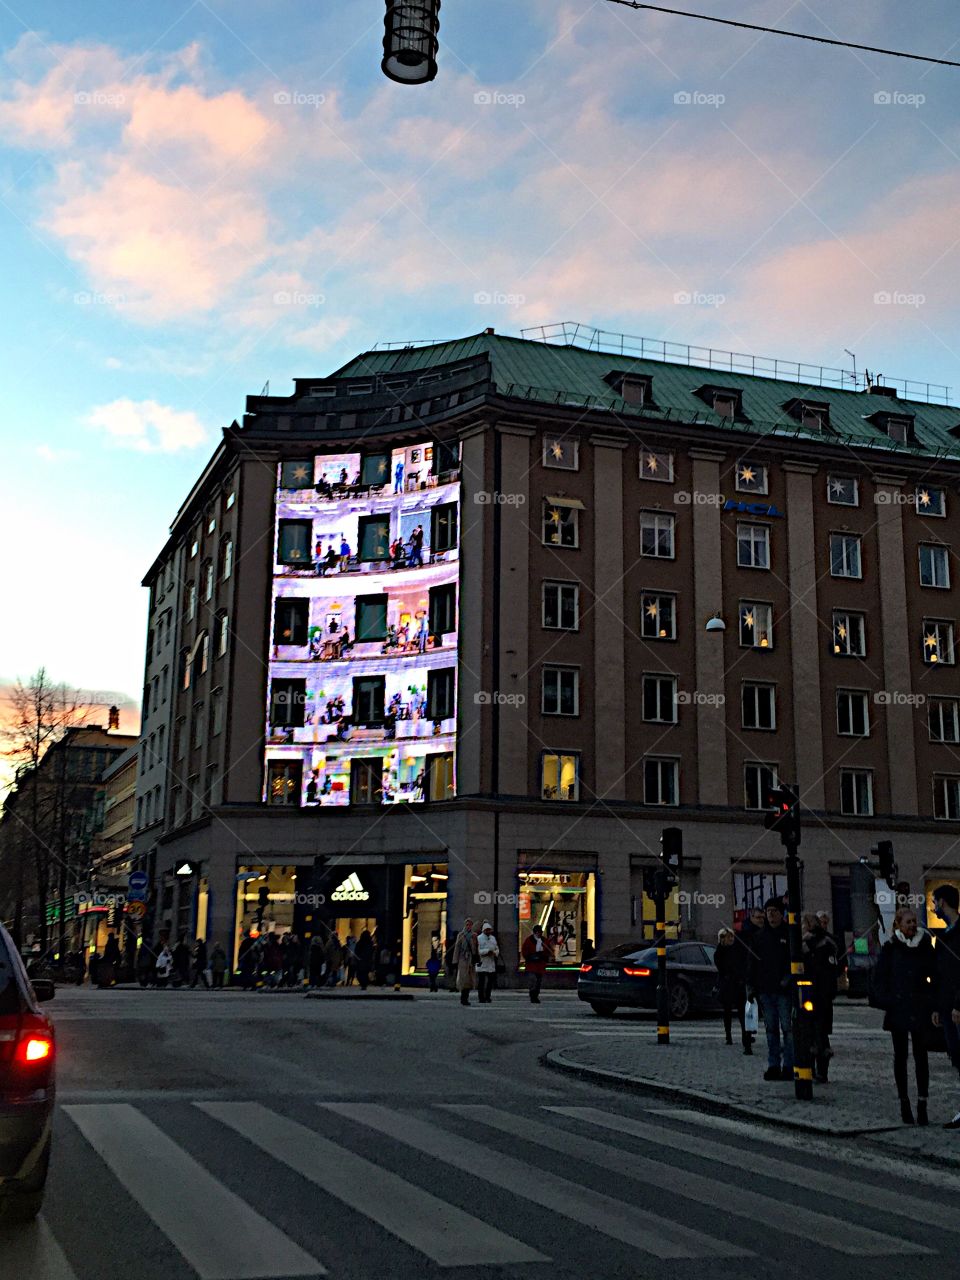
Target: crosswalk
(245,1190)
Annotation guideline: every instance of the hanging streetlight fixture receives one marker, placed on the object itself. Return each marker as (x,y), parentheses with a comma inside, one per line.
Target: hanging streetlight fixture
(410,42)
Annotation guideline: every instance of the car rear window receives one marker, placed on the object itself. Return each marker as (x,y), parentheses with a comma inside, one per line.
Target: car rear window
(10,998)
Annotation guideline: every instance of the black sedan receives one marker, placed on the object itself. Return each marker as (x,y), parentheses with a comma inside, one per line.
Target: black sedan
(627,975)
(27,1054)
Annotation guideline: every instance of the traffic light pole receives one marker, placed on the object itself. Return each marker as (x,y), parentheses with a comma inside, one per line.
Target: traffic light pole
(663,994)
(800,986)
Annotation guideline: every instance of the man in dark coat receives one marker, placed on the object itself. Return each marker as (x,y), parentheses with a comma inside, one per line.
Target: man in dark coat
(768,978)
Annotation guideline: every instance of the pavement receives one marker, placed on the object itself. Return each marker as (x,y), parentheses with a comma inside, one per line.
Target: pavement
(699,1068)
(205,1138)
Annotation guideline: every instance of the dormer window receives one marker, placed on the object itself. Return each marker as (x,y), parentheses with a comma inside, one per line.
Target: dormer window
(634,388)
(725,406)
(725,402)
(898,426)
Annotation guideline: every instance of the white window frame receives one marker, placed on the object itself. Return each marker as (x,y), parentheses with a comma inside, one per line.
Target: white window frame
(560,587)
(754,688)
(648,597)
(928,511)
(563,546)
(560,756)
(667,459)
(558,670)
(941,630)
(947,711)
(946,797)
(867,775)
(661,521)
(853,698)
(943,558)
(757,535)
(848,540)
(551,462)
(842,617)
(757,765)
(663,763)
(839,502)
(762,487)
(671,695)
(757,630)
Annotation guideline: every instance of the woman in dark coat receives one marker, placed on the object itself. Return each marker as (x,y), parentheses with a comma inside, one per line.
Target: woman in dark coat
(821,969)
(364,954)
(730,958)
(903,984)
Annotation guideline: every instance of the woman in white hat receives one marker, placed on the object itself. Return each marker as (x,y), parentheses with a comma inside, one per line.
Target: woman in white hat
(488,951)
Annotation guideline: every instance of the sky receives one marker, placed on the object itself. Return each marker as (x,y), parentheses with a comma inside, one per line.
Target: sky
(200,197)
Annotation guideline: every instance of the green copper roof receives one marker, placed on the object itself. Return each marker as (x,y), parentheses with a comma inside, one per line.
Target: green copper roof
(545,371)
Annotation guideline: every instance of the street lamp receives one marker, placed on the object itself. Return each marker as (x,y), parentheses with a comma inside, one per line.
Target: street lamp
(716,623)
(410,42)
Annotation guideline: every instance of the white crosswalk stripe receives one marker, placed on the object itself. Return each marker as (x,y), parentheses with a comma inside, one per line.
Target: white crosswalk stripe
(446,1234)
(844,1236)
(614,1218)
(218,1233)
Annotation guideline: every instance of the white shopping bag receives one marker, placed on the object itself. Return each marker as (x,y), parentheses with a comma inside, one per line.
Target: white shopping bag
(751,1016)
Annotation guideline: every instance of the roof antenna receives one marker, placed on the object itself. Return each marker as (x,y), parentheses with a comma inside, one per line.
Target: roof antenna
(854,359)
(266,388)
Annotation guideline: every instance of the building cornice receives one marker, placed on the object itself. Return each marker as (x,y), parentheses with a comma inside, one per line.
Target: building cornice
(800,468)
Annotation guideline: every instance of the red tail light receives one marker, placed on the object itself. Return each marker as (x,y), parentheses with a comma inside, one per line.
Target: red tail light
(33,1049)
(585,968)
(27,1045)
(636,973)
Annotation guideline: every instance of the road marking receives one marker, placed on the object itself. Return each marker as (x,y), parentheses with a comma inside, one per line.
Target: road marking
(625,1222)
(218,1233)
(835,1233)
(446,1234)
(33,1253)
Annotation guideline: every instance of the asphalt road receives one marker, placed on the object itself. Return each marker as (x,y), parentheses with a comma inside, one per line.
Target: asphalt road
(234,1137)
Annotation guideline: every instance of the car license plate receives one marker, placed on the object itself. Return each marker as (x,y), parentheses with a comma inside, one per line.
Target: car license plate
(608,973)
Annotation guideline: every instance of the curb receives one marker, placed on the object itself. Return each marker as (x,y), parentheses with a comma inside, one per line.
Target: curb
(361,995)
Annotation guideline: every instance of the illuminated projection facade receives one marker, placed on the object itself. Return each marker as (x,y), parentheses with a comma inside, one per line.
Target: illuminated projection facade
(361,705)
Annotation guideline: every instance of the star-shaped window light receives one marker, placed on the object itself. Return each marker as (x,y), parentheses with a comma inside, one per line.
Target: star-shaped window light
(557,450)
(747,475)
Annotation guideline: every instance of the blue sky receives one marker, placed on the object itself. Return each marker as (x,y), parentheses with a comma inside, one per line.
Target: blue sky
(196,198)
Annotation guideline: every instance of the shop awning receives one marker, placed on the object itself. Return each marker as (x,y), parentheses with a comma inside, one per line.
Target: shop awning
(566,502)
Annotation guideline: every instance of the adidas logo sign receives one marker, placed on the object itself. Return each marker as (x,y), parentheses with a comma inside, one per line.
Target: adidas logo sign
(350,891)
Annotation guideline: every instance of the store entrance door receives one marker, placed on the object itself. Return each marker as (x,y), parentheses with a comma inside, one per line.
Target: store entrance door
(347,926)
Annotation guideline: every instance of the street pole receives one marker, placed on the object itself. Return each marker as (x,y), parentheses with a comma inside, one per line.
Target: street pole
(663,994)
(800,985)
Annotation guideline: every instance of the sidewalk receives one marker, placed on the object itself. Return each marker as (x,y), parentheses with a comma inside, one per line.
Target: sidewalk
(697,1068)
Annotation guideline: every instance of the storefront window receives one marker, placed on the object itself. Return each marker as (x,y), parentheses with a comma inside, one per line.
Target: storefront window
(934,882)
(564,903)
(644,916)
(424,914)
(265,901)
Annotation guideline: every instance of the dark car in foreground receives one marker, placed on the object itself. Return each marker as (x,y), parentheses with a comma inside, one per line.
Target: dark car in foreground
(627,976)
(27,1053)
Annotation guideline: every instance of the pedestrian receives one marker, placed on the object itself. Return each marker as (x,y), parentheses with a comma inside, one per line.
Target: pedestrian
(109,964)
(316,961)
(182,961)
(821,971)
(349,960)
(273,962)
(199,972)
(902,985)
(334,958)
(218,966)
(488,953)
(730,959)
(363,954)
(588,950)
(164,966)
(768,978)
(434,962)
(246,960)
(946,1014)
(536,956)
(465,956)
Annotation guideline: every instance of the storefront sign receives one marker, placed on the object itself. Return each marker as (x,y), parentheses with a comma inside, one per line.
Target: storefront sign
(351,890)
(524,906)
(752,508)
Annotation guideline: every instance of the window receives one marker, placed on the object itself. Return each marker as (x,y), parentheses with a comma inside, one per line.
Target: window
(946,799)
(661,781)
(165,682)
(195,545)
(443,527)
(446,453)
(660,699)
(297,475)
(561,525)
(853,714)
(658,617)
(560,453)
(849,634)
(283,781)
(931,501)
(375,469)
(373,535)
(845,556)
(368,700)
(288,700)
(443,610)
(440,694)
(186,664)
(758,706)
(211,520)
(191,601)
(725,403)
(204,652)
(815,417)
(656,534)
(856,792)
(899,429)
(934,566)
(366,781)
(560,691)
(148,809)
(198,725)
(226,558)
(139,812)
(293,545)
(938,643)
(560,776)
(751,478)
(216,717)
(439,784)
(843,491)
(943,719)
(758,780)
(231,499)
(290,622)
(756,624)
(180,738)
(221,632)
(371,618)
(656,466)
(561,606)
(753,545)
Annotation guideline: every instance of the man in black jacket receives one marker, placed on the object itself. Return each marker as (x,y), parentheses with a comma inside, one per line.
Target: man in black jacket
(768,978)
(946,901)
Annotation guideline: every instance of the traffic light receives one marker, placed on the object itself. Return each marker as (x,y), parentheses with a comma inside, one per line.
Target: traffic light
(671,849)
(783,805)
(888,868)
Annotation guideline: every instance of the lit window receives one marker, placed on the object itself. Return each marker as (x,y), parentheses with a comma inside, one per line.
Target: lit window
(226,558)
(656,466)
(845,559)
(560,776)
(934,566)
(439,779)
(756,624)
(231,499)
(561,525)
(753,545)
(751,478)
(283,782)
(293,543)
(849,634)
(856,792)
(297,474)
(930,500)
(658,617)
(443,527)
(853,714)
(938,647)
(657,534)
(560,453)
(843,491)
